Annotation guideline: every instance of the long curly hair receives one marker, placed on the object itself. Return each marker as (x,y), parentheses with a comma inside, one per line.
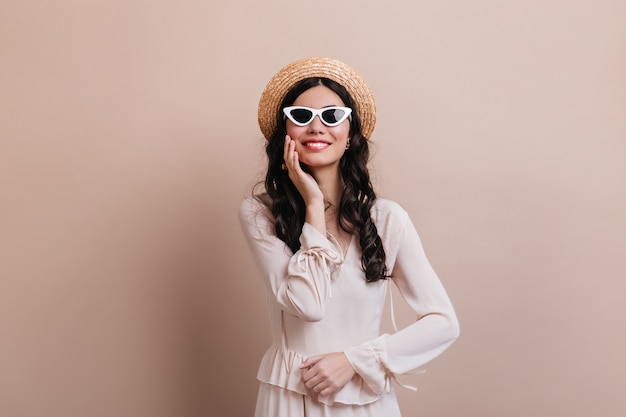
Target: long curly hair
(358,196)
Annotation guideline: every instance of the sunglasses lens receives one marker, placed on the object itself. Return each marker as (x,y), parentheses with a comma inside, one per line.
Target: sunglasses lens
(301,115)
(333,116)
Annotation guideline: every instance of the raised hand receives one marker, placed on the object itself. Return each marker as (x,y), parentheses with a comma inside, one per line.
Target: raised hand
(304,182)
(306,186)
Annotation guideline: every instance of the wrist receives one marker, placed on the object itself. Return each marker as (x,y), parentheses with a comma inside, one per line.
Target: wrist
(315,215)
(315,204)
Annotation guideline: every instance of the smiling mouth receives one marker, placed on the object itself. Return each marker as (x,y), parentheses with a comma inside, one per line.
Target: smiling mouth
(316,145)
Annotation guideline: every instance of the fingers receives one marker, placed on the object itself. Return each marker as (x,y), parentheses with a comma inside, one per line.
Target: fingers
(310,375)
(315,380)
(311,361)
(322,384)
(314,377)
(286,148)
(328,373)
(328,391)
(290,155)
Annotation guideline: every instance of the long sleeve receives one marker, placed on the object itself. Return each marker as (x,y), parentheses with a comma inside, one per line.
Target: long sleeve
(299,283)
(435,329)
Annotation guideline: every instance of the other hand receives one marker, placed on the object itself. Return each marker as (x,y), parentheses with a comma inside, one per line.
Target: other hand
(328,373)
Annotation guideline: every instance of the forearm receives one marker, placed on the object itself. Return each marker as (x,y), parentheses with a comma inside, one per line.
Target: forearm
(315,215)
(299,283)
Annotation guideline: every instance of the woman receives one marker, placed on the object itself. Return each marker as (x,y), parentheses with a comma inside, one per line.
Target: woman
(327,248)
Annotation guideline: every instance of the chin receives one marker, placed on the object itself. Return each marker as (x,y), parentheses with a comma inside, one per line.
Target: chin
(315,164)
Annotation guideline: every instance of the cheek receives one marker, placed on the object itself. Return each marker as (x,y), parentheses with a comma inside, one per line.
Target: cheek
(343,132)
(294,131)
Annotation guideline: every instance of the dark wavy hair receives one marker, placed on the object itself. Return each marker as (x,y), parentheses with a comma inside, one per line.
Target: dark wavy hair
(357,199)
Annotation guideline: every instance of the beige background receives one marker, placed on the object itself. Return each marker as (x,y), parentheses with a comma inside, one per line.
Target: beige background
(128,138)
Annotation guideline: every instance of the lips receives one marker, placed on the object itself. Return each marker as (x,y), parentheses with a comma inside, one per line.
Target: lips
(316,145)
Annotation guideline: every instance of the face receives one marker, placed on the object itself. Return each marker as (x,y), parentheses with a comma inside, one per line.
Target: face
(319,145)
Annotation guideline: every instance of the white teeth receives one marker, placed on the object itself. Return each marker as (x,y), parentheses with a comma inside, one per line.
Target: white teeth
(316,145)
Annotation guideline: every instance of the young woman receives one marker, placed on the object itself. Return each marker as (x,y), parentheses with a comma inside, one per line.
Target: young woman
(327,248)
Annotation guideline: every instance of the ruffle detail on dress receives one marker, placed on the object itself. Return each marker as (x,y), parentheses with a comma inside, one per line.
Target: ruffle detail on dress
(369,360)
(274,371)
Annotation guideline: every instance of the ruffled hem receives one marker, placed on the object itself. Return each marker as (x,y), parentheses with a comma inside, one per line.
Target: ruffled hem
(281,367)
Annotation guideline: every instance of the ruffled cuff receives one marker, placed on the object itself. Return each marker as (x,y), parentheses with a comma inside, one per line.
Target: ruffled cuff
(313,238)
(311,272)
(369,361)
(326,248)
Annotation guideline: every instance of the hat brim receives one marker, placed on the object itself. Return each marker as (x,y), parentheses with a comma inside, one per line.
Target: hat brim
(287,77)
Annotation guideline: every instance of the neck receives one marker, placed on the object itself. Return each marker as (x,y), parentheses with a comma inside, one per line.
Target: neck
(330,182)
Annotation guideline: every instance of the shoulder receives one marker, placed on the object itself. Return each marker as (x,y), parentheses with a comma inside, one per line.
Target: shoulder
(392,222)
(390,218)
(385,210)
(256,201)
(255,206)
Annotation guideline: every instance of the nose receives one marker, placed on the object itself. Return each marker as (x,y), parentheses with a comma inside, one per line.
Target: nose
(316,124)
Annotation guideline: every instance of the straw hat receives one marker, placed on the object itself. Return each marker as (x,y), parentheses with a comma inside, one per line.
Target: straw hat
(286,78)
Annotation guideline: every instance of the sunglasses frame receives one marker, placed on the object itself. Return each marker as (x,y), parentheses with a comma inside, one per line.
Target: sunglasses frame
(317,112)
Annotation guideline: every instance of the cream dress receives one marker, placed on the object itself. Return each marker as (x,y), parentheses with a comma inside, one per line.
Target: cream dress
(319,302)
